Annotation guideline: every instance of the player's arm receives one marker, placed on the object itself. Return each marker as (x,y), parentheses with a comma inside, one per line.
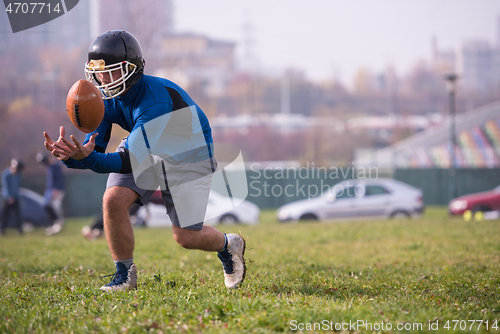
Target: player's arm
(90,154)
(88,158)
(120,162)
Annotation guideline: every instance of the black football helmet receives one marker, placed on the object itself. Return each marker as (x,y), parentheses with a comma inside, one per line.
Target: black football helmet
(110,51)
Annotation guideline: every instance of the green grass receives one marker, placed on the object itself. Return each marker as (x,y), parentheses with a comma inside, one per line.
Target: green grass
(402,272)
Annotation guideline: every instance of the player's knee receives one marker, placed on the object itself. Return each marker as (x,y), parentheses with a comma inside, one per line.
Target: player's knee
(186,240)
(111,203)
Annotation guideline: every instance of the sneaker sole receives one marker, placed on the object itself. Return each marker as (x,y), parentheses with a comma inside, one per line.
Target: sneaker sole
(244,265)
(243,259)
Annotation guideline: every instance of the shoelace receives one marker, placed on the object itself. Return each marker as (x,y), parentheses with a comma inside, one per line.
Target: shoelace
(114,276)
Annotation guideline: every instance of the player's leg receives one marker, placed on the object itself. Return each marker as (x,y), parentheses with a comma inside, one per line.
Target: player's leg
(117,227)
(121,192)
(190,184)
(120,236)
(207,239)
(230,249)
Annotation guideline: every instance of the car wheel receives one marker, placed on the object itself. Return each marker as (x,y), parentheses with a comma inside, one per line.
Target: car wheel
(308,216)
(477,212)
(400,214)
(480,208)
(228,219)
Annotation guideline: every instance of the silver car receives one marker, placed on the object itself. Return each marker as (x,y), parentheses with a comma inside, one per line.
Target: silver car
(382,198)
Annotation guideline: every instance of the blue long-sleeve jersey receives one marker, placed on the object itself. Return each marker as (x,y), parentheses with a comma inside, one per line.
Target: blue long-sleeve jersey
(147,103)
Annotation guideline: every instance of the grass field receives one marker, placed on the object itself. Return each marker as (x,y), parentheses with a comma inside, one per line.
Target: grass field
(382,276)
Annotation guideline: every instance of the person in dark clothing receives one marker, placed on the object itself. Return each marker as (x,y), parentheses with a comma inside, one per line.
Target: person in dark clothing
(97,229)
(54,193)
(11,181)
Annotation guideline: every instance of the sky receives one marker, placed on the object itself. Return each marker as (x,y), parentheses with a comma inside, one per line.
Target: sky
(333,39)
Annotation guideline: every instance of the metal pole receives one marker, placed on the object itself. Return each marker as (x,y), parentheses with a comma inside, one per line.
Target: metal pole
(453,137)
(453,188)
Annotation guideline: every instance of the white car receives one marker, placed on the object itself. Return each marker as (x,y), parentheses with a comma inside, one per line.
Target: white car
(382,198)
(154,214)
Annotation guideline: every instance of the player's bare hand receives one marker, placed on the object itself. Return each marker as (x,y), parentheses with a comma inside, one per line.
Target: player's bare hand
(51,145)
(62,146)
(48,141)
(75,150)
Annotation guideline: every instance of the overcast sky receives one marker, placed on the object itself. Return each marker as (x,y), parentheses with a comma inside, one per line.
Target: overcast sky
(333,38)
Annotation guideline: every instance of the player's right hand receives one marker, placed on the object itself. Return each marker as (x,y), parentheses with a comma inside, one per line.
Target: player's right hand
(51,145)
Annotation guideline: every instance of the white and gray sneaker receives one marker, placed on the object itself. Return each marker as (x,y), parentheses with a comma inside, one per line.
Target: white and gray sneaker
(233,261)
(124,279)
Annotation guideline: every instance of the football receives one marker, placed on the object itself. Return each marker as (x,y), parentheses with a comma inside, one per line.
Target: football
(85,106)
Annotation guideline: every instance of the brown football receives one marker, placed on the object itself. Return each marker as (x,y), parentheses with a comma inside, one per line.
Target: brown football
(85,106)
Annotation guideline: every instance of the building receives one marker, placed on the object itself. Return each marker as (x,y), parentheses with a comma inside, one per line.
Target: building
(192,58)
(476,61)
(477,65)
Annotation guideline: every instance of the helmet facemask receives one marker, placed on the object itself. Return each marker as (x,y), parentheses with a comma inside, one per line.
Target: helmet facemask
(115,87)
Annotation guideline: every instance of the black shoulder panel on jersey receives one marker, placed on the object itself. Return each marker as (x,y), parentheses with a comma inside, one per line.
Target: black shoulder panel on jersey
(177,101)
(106,138)
(107,135)
(99,149)
(126,165)
(180,122)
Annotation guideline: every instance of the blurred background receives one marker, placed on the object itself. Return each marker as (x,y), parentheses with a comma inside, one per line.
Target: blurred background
(326,83)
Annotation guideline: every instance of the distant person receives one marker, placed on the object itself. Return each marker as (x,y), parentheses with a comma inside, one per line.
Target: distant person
(11,181)
(54,192)
(97,229)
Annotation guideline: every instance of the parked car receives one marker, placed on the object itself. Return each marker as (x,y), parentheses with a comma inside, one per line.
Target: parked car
(153,214)
(482,201)
(33,213)
(384,198)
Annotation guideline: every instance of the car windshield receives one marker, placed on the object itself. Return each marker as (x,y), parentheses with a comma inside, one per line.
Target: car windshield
(497,189)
